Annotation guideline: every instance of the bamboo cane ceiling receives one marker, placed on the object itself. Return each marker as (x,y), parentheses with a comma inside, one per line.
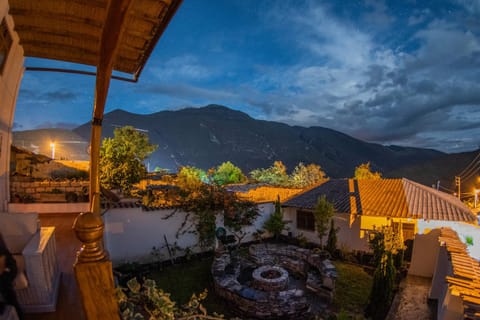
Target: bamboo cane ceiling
(71,30)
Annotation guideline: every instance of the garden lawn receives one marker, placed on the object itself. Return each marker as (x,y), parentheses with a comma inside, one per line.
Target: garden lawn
(352,288)
(182,280)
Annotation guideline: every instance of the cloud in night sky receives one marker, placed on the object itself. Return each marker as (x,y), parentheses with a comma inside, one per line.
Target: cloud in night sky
(391,72)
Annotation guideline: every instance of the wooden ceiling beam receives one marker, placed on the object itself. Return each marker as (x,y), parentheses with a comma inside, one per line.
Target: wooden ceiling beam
(60,43)
(100,4)
(42,32)
(114,27)
(56,26)
(82,57)
(167,16)
(72,49)
(51,18)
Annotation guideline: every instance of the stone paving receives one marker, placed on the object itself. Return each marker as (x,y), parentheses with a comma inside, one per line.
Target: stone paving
(412,300)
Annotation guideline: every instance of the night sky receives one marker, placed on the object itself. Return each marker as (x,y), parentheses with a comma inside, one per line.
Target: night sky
(392,72)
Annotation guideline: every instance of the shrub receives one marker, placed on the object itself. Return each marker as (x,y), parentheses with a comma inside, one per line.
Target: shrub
(147,301)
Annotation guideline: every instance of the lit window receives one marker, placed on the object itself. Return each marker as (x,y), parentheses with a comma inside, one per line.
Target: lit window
(5,44)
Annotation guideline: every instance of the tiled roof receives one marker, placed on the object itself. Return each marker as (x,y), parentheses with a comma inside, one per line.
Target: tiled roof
(398,198)
(336,191)
(384,197)
(465,281)
(244,187)
(430,204)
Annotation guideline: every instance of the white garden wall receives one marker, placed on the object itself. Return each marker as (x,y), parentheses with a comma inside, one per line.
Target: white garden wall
(349,237)
(424,254)
(464,230)
(70,207)
(131,233)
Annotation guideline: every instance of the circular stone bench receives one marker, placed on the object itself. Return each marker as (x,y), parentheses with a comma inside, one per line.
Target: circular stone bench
(269,297)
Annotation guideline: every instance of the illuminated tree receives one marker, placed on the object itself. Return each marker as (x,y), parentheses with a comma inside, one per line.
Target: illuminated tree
(323,212)
(228,173)
(363,171)
(304,176)
(190,178)
(121,158)
(276,175)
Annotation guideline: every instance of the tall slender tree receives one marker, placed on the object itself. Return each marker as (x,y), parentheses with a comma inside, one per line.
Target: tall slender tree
(332,238)
(324,211)
(275,223)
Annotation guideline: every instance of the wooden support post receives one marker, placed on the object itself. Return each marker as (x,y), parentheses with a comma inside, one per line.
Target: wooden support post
(97,291)
(111,35)
(93,270)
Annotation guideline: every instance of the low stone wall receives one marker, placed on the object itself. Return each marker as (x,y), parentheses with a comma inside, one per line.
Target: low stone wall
(256,301)
(287,304)
(39,190)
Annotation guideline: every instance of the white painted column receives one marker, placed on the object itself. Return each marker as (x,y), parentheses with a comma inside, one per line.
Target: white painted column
(10,79)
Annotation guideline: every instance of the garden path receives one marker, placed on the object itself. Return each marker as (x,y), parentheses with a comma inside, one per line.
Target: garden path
(412,302)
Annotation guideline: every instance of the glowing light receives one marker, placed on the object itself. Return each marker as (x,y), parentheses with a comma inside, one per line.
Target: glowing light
(52,145)
(476,192)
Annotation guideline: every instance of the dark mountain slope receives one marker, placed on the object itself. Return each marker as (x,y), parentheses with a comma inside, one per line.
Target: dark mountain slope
(205,137)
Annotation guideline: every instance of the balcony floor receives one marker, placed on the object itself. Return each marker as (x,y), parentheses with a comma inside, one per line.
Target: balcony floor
(69,304)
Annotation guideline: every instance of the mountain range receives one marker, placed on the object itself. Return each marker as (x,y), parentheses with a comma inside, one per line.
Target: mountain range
(205,137)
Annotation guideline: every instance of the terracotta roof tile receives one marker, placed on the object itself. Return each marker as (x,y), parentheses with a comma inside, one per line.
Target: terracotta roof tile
(465,280)
(398,198)
(430,204)
(383,197)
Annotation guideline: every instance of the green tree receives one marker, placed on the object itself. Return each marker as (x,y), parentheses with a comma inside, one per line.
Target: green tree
(363,171)
(228,173)
(239,214)
(323,212)
(383,288)
(332,238)
(190,178)
(386,244)
(121,158)
(304,176)
(275,175)
(275,223)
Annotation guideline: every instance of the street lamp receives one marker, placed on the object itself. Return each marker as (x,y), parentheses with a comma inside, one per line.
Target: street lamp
(52,145)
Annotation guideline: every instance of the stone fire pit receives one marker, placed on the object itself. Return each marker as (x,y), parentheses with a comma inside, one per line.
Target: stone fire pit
(258,285)
(270,278)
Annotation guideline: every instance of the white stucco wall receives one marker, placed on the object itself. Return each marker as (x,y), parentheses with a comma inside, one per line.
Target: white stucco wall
(443,268)
(9,86)
(68,207)
(130,233)
(451,308)
(464,231)
(349,237)
(425,253)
